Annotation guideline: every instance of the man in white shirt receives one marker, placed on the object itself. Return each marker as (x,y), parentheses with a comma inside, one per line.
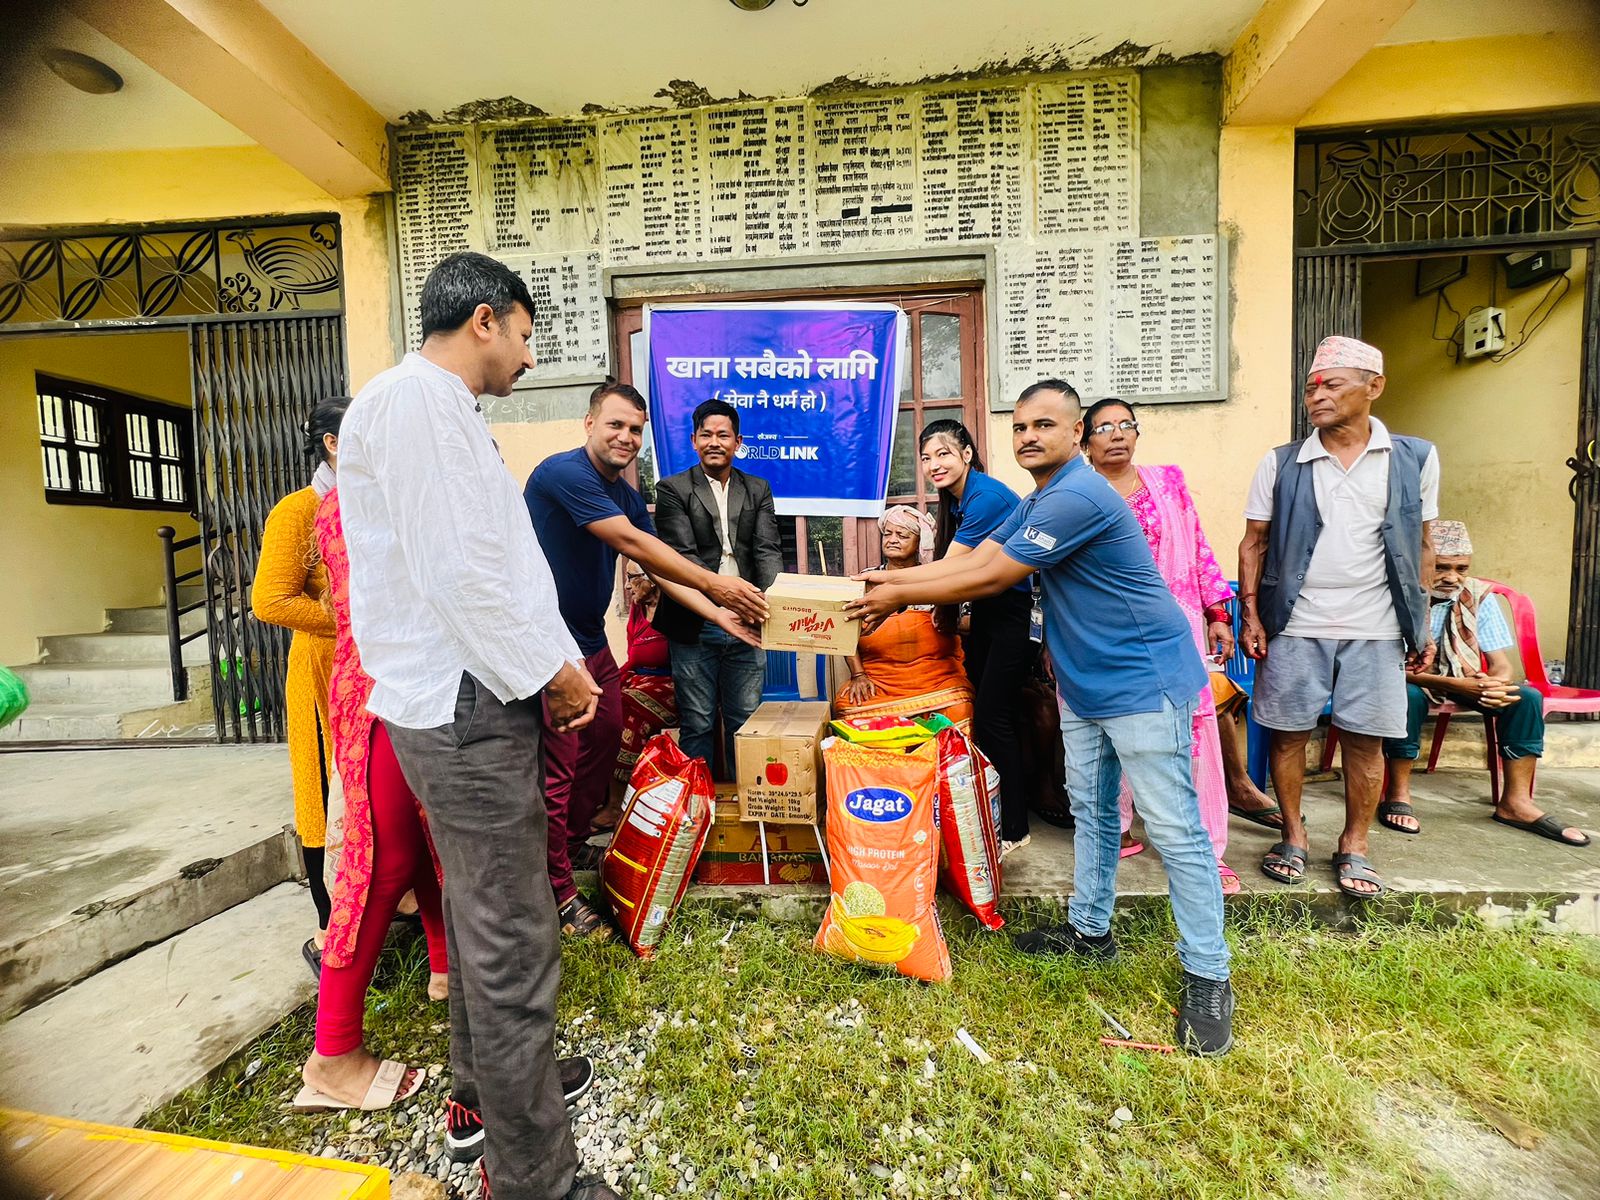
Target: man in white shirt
(454,612)
(1331,572)
(724,519)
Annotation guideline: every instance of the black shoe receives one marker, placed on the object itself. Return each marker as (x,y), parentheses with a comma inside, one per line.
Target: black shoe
(1205,1016)
(592,1189)
(578,920)
(586,857)
(313,958)
(463,1126)
(1066,939)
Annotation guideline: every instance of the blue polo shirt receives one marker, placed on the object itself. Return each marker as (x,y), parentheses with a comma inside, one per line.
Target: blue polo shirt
(985,505)
(1119,641)
(565,493)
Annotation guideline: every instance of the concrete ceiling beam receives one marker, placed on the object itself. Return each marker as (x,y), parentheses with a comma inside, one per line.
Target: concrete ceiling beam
(240,61)
(1293,51)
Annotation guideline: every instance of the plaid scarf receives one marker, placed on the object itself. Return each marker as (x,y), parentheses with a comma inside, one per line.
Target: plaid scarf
(1459,656)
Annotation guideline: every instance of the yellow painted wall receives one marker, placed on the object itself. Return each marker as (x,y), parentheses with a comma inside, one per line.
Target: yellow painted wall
(122,187)
(1504,430)
(66,564)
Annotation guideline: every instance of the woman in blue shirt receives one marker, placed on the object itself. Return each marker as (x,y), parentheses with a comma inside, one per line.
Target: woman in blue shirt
(1000,654)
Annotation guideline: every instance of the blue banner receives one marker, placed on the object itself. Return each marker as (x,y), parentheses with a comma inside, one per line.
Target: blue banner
(817,386)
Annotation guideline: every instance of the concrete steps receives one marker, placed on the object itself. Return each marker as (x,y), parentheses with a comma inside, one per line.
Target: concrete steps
(109,851)
(151,620)
(133,1036)
(123,649)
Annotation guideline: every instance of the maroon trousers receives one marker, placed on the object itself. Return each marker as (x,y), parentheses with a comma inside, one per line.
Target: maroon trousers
(578,767)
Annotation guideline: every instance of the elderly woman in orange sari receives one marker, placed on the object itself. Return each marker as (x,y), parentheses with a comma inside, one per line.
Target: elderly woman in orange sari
(907,667)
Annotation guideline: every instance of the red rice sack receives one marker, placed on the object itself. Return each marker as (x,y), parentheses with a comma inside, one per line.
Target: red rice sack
(666,816)
(969,859)
(883,835)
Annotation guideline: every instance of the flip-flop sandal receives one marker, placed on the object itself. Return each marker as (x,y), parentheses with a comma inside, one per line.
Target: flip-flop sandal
(1351,868)
(1231,884)
(1546,827)
(1397,808)
(1290,861)
(1259,816)
(1130,850)
(313,958)
(383,1092)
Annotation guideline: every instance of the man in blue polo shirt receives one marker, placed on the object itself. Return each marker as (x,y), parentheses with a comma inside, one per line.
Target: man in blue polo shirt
(1129,676)
(585,515)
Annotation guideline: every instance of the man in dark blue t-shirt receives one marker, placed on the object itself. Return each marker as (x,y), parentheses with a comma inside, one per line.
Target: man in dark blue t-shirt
(1129,677)
(585,515)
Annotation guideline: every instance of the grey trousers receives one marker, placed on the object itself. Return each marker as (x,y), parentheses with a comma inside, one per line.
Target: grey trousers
(481,783)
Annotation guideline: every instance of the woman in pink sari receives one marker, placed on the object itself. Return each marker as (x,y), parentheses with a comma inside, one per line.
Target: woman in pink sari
(1166,512)
(387,852)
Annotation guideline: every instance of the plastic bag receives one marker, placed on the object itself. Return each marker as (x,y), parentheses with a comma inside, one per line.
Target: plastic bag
(969,861)
(883,835)
(666,816)
(887,733)
(13,697)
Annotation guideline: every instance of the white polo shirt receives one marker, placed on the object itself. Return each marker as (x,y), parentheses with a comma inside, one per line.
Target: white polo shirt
(1345,594)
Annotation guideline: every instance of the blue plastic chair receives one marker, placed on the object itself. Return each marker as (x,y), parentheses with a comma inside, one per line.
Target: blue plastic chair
(1242,670)
(782,680)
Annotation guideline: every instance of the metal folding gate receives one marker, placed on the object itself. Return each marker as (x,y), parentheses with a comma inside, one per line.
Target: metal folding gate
(255,382)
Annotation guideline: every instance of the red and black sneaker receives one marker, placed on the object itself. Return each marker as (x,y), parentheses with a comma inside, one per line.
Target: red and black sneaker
(463,1132)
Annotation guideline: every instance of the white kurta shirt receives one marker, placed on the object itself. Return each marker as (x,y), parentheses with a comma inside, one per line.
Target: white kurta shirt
(446,574)
(1345,594)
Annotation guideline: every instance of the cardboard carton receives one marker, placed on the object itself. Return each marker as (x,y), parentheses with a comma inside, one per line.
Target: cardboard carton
(778,760)
(732,853)
(806,612)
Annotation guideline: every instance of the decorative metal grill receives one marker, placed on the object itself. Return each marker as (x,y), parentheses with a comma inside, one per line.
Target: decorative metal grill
(160,275)
(254,383)
(1439,188)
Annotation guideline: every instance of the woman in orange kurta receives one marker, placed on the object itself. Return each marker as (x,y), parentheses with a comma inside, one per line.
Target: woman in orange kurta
(907,667)
(288,590)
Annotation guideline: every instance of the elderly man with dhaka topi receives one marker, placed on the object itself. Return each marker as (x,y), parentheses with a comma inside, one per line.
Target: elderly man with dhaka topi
(1331,570)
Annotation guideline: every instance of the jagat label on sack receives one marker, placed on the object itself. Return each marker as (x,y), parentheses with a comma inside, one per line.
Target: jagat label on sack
(806,612)
(777,761)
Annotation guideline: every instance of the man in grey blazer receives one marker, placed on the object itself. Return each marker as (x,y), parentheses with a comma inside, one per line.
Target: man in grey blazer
(723,519)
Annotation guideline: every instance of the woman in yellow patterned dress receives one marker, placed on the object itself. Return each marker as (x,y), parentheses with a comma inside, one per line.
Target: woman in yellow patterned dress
(288,590)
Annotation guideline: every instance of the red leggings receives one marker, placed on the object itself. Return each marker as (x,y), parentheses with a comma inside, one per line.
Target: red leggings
(400,863)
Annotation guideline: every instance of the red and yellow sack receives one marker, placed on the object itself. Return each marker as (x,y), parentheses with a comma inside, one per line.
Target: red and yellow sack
(666,816)
(883,837)
(969,860)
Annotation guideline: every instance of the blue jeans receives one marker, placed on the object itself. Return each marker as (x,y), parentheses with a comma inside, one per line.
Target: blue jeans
(718,671)
(1154,751)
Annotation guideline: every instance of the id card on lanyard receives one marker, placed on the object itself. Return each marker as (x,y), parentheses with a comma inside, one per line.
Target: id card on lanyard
(1036,616)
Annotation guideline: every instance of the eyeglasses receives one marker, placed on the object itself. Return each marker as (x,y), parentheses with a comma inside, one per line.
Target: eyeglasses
(1129,426)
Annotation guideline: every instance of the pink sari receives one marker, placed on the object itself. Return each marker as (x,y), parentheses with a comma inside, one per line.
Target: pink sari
(1171,525)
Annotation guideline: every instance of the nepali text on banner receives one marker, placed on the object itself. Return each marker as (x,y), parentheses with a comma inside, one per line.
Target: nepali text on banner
(816,385)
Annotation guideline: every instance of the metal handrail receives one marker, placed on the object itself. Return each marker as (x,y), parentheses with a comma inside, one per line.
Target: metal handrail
(176,638)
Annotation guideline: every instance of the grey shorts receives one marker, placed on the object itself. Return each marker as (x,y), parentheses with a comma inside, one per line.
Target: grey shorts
(1365,680)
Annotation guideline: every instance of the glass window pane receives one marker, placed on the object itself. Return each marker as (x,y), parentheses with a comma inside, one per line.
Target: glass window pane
(57,475)
(168,433)
(85,424)
(142,478)
(172,484)
(903,462)
(941,356)
(89,473)
(138,433)
(52,422)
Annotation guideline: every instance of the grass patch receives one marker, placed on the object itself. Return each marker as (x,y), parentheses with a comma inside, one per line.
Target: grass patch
(775,1072)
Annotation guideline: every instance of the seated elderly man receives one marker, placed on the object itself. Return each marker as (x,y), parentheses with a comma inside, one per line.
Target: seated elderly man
(1472,670)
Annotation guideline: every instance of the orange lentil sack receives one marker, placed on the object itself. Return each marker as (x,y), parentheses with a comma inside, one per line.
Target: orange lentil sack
(969,860)
(883,835)
(666,817)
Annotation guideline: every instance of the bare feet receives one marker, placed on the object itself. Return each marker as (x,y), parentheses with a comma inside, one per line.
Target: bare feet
(408,905)
(320,938)
(347,1077)
(438,985)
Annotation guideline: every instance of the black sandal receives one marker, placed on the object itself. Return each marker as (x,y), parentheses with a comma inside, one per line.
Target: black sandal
(580,921)
(1290,861)
(1259,816)
(1352,868)
(1397,808)
(313,958)
(1546,827)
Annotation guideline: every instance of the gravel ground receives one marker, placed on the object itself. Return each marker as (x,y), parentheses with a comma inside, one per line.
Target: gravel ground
(612,1123)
